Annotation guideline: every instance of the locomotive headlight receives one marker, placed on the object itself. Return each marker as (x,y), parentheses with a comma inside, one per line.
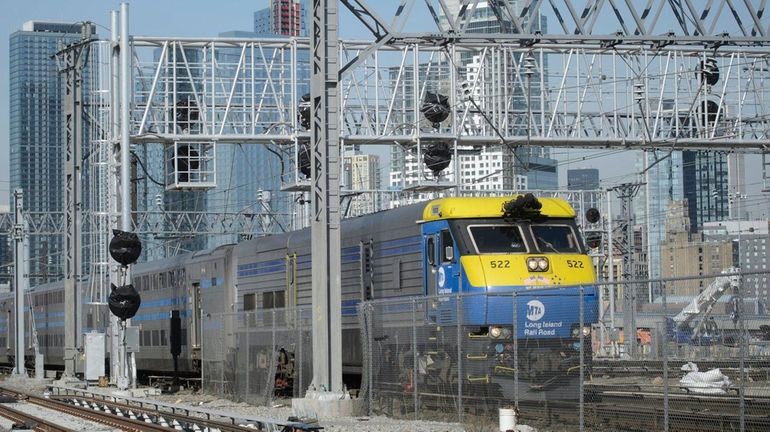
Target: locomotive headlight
(538,264)
(586,331)
(495,332)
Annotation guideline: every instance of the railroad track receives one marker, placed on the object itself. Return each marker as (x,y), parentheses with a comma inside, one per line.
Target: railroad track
(20,418)
(608,410)
(105,418)
(756,369)
(149,417)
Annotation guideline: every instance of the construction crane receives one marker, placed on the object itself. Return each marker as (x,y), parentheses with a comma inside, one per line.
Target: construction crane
(692,324)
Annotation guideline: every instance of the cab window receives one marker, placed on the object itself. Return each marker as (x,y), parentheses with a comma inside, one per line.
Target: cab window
(447,247)
(431,250)
(497,239)
(555,238)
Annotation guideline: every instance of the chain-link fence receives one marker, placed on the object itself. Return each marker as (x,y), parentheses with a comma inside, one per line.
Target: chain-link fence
(695,358)
(257,356)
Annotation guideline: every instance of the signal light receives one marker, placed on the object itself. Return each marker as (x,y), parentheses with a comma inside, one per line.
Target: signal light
(124,301)
(593,215)
(593,239)
(437,157)
(435,108)
(708,71)
(125,247)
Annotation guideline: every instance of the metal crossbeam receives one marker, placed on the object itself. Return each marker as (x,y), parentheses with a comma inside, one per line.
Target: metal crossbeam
(581,94)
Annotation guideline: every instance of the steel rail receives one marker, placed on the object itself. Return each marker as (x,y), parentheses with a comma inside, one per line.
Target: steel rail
(20,417)
(104,418)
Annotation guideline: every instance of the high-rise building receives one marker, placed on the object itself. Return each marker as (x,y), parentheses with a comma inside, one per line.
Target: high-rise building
(706,187)
(685,253)
(700,177)
(583,179)
(282,18)
(362,173)
(36,131)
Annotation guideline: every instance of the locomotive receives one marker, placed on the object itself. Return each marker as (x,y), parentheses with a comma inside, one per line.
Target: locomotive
(480,248)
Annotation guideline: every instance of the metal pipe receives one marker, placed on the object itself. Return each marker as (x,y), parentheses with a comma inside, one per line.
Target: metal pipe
(125,168)
(114,136)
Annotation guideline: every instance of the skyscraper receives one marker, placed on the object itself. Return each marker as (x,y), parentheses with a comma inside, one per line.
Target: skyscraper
(700,177)
(36,131)
(362,173)
(706,187)
(282,18)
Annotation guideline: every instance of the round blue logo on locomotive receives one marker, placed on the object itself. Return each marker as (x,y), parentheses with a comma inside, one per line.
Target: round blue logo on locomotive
(535,310)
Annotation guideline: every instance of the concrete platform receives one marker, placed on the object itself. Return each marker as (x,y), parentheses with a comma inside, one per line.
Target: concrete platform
(325,405)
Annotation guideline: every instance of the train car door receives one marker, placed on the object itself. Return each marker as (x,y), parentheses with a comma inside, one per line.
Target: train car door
(441,268)
(447,277)
(430,264)
(195,334)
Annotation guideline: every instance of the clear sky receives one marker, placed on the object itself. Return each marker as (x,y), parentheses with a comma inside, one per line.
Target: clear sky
(208,18)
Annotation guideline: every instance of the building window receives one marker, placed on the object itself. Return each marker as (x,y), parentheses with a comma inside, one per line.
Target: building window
(249,302)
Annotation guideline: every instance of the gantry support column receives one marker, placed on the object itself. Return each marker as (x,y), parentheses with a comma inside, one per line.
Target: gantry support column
(73,141)
(114,194)
(626,193)
(325,228)
(19,283)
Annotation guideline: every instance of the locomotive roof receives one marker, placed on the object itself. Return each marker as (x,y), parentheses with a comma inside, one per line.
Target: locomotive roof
(481,207)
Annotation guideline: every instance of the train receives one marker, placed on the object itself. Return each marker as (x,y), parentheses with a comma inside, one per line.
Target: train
(478,247)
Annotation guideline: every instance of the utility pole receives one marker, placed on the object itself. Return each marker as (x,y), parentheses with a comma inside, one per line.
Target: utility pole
(626,193)
(19,281)
(325,174)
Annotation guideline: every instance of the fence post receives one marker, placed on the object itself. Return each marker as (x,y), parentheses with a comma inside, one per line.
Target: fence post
(515,351)
(274,362)
(459,360)
(742,368)
(664,352)
(247,329)
(414,356)
(581,406)
(225,353)
(370,350)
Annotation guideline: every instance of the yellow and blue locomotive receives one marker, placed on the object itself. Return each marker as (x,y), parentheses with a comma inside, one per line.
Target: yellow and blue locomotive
(513,273)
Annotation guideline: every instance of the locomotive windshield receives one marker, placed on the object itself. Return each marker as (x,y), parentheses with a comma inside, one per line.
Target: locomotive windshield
(555,238)
(497,239)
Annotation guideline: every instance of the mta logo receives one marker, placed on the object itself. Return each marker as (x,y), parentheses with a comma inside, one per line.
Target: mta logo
(535,310)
